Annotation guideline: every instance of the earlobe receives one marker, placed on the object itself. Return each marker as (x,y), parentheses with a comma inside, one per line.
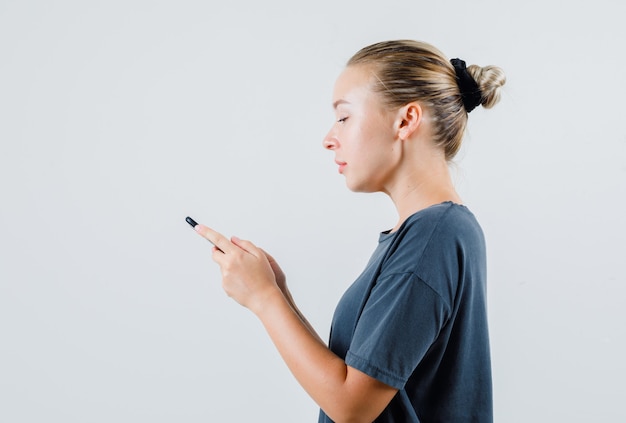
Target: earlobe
(410,119)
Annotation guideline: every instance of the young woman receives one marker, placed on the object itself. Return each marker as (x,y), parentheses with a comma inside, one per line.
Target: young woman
(409,339)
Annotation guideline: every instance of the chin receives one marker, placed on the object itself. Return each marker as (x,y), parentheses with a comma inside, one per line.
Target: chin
(362,188)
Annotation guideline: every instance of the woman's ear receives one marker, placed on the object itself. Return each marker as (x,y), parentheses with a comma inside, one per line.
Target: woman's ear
(409,119)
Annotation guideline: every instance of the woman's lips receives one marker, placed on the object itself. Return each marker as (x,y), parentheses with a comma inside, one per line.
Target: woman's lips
(342,165)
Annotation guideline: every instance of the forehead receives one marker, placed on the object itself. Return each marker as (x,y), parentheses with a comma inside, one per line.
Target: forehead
(353,84)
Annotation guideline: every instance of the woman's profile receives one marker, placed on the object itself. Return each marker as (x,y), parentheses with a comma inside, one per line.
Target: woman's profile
(409,339)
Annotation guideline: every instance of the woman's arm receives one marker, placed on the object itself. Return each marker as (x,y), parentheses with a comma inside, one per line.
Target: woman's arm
(344,393)
(281,282)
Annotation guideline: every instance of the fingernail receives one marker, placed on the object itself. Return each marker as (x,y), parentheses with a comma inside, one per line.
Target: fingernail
(235,239)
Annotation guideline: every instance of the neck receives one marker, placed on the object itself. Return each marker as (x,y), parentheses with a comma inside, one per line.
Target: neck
(422,187)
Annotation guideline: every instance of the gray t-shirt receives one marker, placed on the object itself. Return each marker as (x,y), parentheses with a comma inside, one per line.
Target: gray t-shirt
(416,319)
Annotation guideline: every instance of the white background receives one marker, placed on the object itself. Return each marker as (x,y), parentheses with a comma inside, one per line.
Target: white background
(120,118)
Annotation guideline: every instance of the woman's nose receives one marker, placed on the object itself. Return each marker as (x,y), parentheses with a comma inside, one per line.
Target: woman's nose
(330,141)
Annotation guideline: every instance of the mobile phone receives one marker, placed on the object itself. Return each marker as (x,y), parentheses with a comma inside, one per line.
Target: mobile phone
(193,224)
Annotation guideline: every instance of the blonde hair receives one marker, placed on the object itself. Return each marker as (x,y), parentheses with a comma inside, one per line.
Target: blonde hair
(408,71)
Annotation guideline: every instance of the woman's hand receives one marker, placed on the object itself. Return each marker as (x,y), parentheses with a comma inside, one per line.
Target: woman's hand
(248,275)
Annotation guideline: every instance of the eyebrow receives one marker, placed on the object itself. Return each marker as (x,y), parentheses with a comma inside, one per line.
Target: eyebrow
(338,102)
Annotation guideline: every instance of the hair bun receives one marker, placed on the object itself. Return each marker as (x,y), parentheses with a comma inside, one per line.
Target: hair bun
(470,91)
(489,79)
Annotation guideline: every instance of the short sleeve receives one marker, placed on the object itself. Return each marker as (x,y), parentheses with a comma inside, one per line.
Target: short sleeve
(400,321)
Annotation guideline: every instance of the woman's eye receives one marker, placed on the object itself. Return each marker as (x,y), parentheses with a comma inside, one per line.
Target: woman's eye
(342,120)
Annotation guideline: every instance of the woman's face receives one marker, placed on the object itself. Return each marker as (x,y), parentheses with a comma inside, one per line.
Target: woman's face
(363,135)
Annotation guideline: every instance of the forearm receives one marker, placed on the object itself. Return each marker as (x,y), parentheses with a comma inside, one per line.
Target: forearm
(309,359)
(320,372)
(303,319)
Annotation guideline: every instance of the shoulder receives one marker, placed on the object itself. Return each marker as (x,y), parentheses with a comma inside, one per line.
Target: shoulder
(438,232)
(438,246)
(441,223)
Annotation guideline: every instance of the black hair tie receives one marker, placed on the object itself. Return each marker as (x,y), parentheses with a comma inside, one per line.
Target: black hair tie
(470,92)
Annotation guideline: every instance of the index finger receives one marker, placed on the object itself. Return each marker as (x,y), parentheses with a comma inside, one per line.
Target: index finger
(214,237)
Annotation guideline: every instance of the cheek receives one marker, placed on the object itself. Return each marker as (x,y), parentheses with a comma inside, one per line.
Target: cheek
(351,137)
(377,136)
